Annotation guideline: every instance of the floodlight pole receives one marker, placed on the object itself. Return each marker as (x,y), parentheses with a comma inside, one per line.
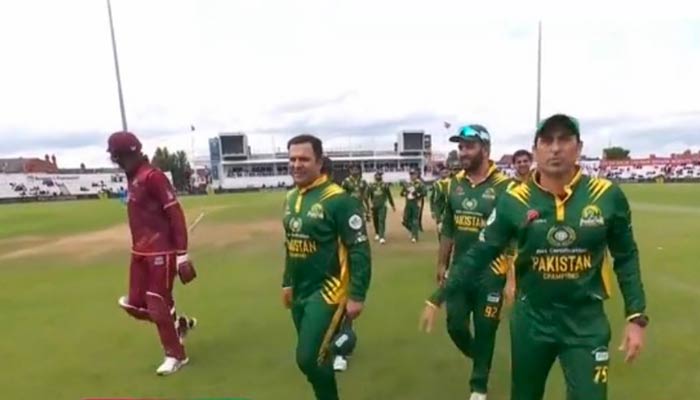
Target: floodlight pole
(116,67)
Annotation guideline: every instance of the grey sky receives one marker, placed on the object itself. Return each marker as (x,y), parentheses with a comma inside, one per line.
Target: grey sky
(276,68)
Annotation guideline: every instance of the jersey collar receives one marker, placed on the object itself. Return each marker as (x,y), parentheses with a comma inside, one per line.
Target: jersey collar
(568,190)
(318,182)
(492,169)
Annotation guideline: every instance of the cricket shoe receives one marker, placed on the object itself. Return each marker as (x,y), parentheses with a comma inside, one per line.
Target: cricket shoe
(477,396)
(184,325)
(382,241)
(171,365)
(340,364)
(376,237)
(413,240)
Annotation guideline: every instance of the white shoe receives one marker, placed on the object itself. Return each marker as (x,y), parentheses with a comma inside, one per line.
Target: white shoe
(376,237)
(477,396)
(171,365)
(382,241)
(413,240)
(340,364)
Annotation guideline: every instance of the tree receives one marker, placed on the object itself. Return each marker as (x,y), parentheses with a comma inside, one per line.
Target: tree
(616,153)
(452,156)
(175,163)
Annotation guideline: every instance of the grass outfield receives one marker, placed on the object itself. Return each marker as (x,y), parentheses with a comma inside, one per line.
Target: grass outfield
(63,337)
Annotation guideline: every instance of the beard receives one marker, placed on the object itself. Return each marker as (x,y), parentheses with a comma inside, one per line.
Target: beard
(471,165)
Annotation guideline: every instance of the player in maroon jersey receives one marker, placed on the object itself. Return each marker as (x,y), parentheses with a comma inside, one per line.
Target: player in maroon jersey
(159,249)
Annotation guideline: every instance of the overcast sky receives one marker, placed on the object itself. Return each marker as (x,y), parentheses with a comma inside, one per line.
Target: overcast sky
(359,68)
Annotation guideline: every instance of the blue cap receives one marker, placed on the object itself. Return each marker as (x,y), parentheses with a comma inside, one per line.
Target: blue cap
(471,132)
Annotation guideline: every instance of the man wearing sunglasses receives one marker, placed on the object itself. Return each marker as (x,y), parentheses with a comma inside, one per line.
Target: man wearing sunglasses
(567,225)
(159,250)
(469,199)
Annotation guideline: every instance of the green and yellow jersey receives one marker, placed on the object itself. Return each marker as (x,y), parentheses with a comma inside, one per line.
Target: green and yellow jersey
(467,206)
(357,188)
(414,191)
(327,249)
(564,244)
(379,193)
(437,197)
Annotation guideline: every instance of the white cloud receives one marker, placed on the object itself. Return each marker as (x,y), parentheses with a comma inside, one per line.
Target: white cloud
(273,68)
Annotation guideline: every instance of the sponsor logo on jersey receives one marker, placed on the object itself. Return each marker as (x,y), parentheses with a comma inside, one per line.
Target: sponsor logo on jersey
(469,204)
(601,354)
(295,224)
(592,216)
(355,222)
(316,211)
(158,261)
(493,297)
(561,236)
(489,194)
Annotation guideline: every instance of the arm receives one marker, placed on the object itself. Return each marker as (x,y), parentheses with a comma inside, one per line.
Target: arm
(493,240)
(160,188)
(623,249)
(353,235)
(387,190)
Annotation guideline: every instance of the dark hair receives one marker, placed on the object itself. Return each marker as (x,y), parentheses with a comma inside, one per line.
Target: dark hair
(521,153)
(316,143)
(327,166)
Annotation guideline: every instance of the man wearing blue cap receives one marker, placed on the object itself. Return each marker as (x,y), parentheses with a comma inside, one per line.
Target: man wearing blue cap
(470,197)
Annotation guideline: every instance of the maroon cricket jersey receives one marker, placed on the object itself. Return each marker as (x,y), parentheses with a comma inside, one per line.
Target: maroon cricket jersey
(150,194)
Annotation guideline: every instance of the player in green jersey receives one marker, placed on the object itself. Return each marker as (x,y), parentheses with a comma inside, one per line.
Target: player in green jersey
(379,193)
(437,197)
(328,263)
(567,225)
(469,199)
(358,188)
(522,163)
(414,192)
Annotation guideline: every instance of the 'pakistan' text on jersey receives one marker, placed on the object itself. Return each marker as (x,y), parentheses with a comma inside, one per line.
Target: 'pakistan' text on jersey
(562,244)
(467,206)
(327,249)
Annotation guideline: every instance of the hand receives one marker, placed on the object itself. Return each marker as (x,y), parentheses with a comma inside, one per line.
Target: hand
(441,275)
(427,318)
(185,269)
(632,342)
(353,308)
(287,297)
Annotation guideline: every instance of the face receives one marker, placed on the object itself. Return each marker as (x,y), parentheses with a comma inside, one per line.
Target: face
(355,172)
(444,173)
(303,164)
(128,162)
(472,155)
(522,165)
(556,152)
(378,178)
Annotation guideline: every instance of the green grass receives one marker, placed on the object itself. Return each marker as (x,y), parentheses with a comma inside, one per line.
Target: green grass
(64,337)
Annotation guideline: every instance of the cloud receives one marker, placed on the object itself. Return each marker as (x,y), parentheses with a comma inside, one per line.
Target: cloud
(275,68)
